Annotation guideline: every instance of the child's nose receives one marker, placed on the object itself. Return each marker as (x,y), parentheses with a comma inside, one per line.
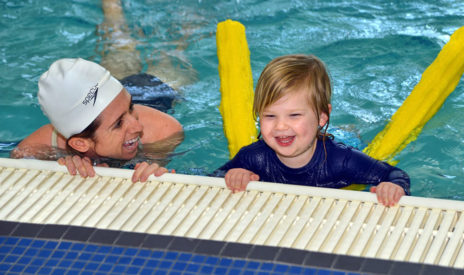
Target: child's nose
(281,124)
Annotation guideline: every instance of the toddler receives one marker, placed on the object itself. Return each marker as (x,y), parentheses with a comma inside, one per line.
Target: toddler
(292,104)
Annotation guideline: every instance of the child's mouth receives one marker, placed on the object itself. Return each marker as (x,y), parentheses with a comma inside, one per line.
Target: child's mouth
(285,140)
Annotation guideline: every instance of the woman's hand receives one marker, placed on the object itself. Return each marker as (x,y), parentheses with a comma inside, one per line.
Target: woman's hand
(388,193)
(77,165)
(237,179)
(143,170)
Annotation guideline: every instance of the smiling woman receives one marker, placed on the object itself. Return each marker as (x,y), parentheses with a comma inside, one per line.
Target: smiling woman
(95,118)
(98,120)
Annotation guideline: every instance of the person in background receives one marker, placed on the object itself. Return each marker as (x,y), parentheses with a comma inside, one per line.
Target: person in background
(119,54)
(292,103)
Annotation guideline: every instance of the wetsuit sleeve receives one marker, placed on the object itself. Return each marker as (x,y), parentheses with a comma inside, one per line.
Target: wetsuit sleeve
(361,168)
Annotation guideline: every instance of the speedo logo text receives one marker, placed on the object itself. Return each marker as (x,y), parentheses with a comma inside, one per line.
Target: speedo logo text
(93,92)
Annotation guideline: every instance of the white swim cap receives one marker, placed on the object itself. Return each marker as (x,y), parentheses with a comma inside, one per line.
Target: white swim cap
(73,92)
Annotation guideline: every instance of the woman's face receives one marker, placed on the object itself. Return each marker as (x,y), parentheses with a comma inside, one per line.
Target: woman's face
(119,133)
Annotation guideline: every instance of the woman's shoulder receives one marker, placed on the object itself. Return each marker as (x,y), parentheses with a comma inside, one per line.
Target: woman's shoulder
(156,124)
(39,136)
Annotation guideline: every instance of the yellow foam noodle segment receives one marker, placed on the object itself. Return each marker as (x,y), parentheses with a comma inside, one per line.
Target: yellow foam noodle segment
(236,85)
(436,83)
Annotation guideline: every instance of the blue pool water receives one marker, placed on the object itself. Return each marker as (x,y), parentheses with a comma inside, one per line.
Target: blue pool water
(376,52)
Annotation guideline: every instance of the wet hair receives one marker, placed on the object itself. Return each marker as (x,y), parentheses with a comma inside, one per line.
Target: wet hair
(288,74)
(89,132)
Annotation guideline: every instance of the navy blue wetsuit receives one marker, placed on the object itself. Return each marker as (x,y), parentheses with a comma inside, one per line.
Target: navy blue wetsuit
(344,166)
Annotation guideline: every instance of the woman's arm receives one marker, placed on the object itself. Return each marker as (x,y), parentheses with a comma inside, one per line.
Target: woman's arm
(38,145)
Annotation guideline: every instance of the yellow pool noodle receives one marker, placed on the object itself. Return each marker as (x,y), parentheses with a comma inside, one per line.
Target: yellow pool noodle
(437,82)
(236,85)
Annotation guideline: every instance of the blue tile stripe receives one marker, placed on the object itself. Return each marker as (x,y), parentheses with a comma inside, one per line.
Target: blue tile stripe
(24,255)
(80,250)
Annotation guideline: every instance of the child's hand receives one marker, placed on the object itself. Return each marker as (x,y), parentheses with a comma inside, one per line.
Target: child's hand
(237,179)
(388,193)
(143,170)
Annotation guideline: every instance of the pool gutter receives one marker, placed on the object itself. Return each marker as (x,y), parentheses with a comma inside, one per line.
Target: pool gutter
(419,230)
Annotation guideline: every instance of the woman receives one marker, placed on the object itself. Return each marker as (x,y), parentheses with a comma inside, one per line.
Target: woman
(139,124)
(92,116)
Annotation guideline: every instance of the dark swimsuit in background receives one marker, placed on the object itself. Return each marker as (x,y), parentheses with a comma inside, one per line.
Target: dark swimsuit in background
(336,167)
(150,91)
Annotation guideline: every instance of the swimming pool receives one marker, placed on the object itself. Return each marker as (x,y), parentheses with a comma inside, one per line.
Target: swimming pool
(375,52)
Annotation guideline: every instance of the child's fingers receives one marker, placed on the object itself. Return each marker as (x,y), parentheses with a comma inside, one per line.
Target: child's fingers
(227,180)
(237,179)
(240,182)
(381,194)
(392,196)
(231,180)
(377,192)
(388,193)
(244,182)
(393,193)
(398,194)
(380,197)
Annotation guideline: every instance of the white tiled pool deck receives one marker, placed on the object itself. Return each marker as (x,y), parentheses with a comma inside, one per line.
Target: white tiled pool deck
(418,230)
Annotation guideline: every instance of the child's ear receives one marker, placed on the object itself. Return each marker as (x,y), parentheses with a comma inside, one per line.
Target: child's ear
(79,144)
(323,117)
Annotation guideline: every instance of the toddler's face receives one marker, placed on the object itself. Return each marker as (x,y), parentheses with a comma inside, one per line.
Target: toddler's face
(289,127)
